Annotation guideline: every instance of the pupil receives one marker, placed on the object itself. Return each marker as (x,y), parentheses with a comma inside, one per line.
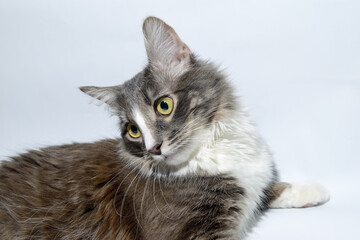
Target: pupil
(164,105)
(134,129)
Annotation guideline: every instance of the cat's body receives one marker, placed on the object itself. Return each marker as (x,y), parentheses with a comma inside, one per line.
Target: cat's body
(86,191)
(189,165)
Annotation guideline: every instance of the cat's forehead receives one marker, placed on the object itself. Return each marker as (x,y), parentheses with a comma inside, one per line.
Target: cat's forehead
(145,88)
(139,95)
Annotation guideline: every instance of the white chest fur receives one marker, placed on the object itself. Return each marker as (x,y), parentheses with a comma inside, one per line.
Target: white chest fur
(234,147)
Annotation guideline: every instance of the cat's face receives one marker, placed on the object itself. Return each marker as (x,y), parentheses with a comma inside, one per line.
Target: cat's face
(165,111)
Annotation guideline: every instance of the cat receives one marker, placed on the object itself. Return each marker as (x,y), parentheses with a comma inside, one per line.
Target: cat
(189,163)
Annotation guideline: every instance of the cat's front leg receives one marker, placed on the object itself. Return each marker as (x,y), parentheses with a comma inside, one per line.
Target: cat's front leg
(297,195)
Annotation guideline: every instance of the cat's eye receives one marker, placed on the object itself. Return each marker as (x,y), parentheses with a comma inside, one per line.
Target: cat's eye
(165,105)
(133,130)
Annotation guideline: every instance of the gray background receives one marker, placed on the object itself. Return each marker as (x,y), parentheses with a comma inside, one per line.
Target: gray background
(296,65)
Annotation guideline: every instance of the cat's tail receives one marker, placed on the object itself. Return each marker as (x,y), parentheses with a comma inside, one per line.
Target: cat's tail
(298,195)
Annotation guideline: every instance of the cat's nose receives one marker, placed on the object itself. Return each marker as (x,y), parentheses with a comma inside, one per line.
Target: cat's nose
(156,149)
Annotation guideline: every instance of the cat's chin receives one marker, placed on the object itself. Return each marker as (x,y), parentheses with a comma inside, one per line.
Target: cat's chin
(170,159)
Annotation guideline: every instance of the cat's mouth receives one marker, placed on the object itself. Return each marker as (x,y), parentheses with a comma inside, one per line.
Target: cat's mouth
(176,157)
(164,157)
(180,155)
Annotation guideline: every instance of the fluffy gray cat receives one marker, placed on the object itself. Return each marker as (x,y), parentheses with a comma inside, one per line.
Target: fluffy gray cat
(189,163)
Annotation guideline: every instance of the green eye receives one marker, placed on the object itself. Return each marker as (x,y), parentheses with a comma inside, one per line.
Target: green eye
(165,105)
(133,130)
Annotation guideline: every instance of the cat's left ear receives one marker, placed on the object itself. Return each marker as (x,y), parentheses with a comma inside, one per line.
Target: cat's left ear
(108,95)
(164,48)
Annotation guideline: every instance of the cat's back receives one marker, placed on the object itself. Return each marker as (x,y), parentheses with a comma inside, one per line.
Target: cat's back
(37,166)
(54,188)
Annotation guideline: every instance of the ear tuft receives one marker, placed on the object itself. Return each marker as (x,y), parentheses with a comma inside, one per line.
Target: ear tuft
(164,47)
(106,95)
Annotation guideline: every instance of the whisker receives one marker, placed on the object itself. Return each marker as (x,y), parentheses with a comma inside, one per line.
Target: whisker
(162,193)
(117,190)
(124,197)
(156,205)
(143,196)
(137,219)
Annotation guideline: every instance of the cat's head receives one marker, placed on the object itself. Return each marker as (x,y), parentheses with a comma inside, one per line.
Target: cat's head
(165,109)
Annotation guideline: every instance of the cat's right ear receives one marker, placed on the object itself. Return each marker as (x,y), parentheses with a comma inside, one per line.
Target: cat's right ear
(108,95)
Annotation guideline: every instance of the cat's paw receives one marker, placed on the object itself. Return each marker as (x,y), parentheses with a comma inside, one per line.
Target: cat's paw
(301,195)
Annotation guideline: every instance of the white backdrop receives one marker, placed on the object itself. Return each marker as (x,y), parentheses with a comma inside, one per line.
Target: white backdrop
(296,65)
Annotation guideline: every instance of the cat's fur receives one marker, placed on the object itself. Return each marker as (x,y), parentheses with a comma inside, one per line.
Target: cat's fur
(202,172)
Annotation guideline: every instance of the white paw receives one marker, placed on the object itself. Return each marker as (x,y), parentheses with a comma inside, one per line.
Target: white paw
(301,195)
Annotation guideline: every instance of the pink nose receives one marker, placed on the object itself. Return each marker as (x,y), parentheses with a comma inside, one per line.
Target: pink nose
(156,149)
